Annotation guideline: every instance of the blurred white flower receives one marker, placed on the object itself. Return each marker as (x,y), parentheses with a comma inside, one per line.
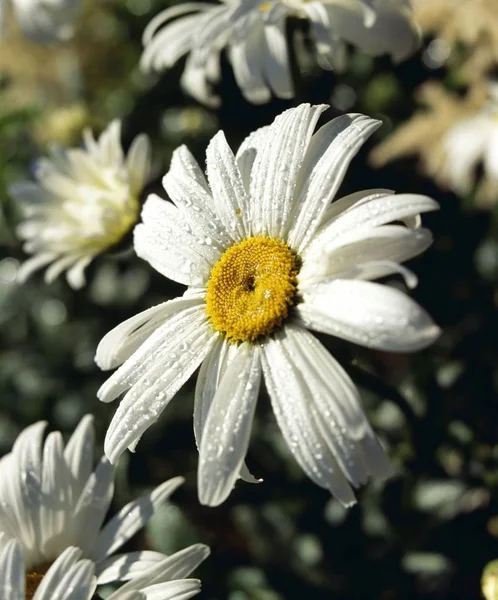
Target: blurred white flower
(45,20)
(469,143)
(50,500)
(253,31)
(266,256)
(83,202)
(69,578)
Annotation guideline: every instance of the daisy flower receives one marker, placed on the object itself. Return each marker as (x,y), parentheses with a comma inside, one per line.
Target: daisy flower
(45,20)
(83,202)
(254,35)
(51,499)
(266,257)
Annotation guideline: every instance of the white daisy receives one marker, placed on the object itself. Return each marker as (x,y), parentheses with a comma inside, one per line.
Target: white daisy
(46,20)
(254,34)
(266,256)
(50,499)
(84,201)
(69,578)
(471,142)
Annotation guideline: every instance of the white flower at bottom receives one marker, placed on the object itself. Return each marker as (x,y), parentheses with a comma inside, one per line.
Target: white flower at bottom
(46,20)
(83,202)
(254,33)
(69,578)
(266,256)
(51,499)
(72,578)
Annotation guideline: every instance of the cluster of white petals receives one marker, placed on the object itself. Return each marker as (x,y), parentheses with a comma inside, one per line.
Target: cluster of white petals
(254,35)
(45,20)
(72,578)
(84,201)
(51,500)
(278,186)
(472,142)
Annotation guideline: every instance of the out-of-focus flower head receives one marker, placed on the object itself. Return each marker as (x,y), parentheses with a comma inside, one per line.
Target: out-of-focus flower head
(452,136)
(52,499)
(44,21)
(84,201)
(267,256)
(254,35)
(473,23)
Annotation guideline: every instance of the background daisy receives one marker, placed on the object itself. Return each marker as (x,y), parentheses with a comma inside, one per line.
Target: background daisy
(254,35)
(84,201)
(51,499)
(69,578)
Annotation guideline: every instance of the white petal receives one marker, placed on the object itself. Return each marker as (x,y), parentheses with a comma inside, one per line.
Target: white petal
(76,274)
(390,31)
(246,154)
(92,506)
(210,374)
(229,195)
(122,567)
(12,572)
(169,44)
(78,583)
(329,153)
(21,493)
(173,590)
(276,168)
(226,433)
(371,213)
(170,13)
(78,453)
(187,187)
(55,515)
(176,566)
(138,163)
(335,405)
(347,202)
(33,264)
(165,241)
(66,572)
(194,80)
(187,340)
(289,394)
(180,324)
(131,518)
(369,314)
(345,260)
(247,55)
(122,341)
(276,63)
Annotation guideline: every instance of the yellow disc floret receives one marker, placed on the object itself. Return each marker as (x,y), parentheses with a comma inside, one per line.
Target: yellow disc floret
(33,580)
(251,288)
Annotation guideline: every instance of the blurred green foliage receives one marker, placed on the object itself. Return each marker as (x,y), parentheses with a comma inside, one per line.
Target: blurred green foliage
(427,533)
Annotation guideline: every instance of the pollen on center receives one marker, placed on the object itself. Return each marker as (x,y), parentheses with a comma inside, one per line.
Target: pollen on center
(251,288)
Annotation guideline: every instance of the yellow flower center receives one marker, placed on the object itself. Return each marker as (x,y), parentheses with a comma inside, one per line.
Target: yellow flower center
(33,580)
(251,289)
